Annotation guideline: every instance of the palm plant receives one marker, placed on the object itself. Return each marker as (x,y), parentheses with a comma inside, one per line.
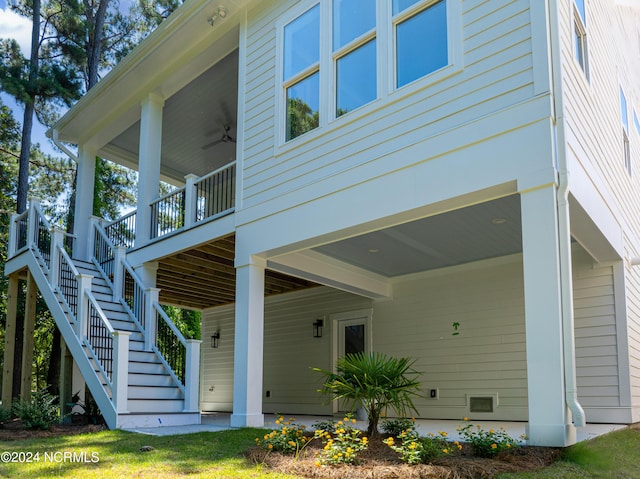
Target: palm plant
(376,381)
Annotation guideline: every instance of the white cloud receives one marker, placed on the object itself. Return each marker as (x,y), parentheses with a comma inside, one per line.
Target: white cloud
(17,27)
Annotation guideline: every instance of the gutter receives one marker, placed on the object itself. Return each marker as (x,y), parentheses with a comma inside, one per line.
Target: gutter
(564,230)
(56,141)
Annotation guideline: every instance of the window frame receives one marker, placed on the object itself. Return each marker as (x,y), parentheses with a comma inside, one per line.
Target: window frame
(579,40)
(624,120)
(384,35)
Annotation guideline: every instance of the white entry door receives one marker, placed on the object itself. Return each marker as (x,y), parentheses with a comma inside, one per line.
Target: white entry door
(352,334)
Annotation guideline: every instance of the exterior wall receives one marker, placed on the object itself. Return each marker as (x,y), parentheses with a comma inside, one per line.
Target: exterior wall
(290,350)
(488,119)
(596,163)
(487,357)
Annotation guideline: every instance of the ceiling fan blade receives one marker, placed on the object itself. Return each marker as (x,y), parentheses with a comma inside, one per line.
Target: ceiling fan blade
(212,144)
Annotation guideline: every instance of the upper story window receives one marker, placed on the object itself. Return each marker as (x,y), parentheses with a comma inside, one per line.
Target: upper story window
(624,116)
(334,59)
(421,39)
(580,35)
(301,65)
(354,53)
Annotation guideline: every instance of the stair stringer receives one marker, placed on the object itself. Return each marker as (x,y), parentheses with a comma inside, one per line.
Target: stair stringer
(28,260)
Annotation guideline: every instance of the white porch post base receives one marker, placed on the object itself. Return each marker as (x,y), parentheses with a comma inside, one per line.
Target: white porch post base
(549,416)
(249,340)
(553,435)
(247,420)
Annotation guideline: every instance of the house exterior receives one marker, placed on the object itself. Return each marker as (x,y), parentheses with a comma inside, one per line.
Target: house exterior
(454,181)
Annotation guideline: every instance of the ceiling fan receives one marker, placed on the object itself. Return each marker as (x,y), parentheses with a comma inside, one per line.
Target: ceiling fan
(225,138)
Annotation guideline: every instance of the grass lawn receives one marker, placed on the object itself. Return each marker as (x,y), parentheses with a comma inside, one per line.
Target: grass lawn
(219,455)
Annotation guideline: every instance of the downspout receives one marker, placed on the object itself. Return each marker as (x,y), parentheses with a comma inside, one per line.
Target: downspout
(564,229)
(56,141)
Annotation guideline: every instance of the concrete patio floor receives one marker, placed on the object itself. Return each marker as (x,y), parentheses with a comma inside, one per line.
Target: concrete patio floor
(221,422)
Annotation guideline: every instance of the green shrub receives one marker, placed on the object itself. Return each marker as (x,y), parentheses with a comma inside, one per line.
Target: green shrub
(486,443)
(5,414)
(343,446)
(38,413)
(329,425)
(394,427)
(288,437)
(414,449)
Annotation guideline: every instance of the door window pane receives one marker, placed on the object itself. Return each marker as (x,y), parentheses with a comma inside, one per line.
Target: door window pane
(421,44)
(354,339)
(356,78)
(352,18)
(302,42)
(303,105)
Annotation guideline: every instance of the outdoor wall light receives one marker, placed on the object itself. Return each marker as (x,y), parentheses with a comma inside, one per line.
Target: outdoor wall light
(215,339)
(317,328)
(220,13)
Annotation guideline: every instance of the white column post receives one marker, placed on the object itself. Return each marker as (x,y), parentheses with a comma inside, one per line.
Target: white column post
(82,311)
(57,239)
(549,417)
(32,224)
(190,199)
(192,374)
(249,338)
(151,318)
(118,272)
(148,164)
(85,180)
(120,374)
(13,235)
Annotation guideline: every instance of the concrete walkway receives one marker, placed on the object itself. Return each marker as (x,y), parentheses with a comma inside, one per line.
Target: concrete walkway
(212,422)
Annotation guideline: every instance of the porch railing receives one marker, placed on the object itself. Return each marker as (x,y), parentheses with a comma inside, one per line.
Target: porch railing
(108,349)
(122,232)
(180,355)
(167,213)
(204,198)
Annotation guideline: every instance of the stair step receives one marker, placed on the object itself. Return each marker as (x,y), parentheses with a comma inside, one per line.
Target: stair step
(147,368)
(143,357)
(154,392)
(151,380)
(147,405)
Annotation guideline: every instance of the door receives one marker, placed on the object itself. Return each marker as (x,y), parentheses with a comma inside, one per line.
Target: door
(352,334)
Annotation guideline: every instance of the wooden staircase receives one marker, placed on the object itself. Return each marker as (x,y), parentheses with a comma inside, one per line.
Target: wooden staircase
(140,370)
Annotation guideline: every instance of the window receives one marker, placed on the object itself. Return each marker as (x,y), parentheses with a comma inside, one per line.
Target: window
(301,73)
(333,61)
(580,35)
(354,50)
(625,131)
(421,40)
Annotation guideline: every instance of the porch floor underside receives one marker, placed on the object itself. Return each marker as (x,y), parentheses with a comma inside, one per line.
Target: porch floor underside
(212,422)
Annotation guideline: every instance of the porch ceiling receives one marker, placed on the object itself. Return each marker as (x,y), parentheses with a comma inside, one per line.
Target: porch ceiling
(477,232)
(204,276)
(193,119)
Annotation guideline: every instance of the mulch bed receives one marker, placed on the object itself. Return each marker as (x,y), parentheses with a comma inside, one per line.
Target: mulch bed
(379,461)
(13,430)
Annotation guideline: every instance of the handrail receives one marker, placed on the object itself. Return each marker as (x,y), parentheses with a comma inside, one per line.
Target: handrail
(41,236)
(133,295)
(168,213)
(100,344)
(104,254)
(122,231)
(21,239)
(67,281)
(215,193)
(215,172)
(173,357)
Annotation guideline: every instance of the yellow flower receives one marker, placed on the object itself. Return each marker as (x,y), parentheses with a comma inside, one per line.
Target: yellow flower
(270,446)
(508,446)
(491,431)
(277,422)
(345,419)
(494,446)
(446,451)
(266,436)
(365,440)
(353,421)
(443,434)
(339,423)
(413,445)
(465,418)
(318,464)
